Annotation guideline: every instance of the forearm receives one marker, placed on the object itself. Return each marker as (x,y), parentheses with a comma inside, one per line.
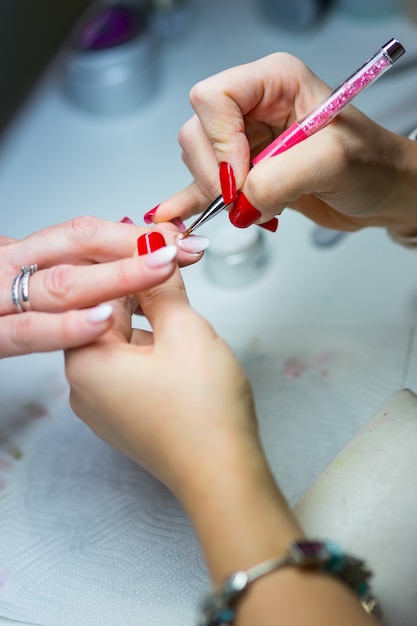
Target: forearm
(239,514)
(241,519)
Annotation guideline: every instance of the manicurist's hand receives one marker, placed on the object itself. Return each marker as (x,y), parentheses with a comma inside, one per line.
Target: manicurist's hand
(178,403)
(352,174)
(80,264)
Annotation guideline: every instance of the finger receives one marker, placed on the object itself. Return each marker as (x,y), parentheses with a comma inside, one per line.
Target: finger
(65,287)
(315,166)
(142,337)
(5,241)
(184,204)
(199,156)
(163,305)
(79,241)
(83,240)
(276,90)
(45,332)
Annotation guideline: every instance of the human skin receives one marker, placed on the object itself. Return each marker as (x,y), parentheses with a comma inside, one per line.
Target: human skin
(178,403)
(352,174)
(82,263)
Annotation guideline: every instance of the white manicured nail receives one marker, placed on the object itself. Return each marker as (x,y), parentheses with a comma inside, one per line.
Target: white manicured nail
(194,244)
(161,257)
(100,313)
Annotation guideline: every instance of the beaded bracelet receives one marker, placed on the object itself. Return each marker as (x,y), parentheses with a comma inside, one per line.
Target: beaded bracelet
(219,607)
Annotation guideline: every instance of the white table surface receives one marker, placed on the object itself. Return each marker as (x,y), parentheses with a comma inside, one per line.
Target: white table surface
(58,162)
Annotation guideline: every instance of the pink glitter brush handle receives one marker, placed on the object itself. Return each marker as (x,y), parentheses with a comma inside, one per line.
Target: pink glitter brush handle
(338,99)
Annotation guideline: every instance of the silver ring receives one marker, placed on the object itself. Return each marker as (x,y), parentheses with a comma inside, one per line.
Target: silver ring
(20,288)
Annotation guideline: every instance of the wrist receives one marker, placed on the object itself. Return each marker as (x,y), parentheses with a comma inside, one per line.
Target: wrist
(237,510)
(401,215)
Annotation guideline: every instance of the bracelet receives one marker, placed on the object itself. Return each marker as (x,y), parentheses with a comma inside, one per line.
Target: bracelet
(219,607)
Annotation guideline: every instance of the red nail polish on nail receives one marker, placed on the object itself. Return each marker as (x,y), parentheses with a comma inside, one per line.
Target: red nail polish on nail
(149,242)
(271,225)
(147,218)
(243,213)
(126,220)
(177,221)
(227,182)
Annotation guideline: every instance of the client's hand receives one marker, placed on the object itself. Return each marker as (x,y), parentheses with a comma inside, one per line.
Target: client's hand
(80,264)
(170,400)
(177,402)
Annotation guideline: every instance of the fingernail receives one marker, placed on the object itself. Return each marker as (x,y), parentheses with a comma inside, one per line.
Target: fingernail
(271,225)
(243,213)
(150,241)
(126,220)
(194,244)
(161,257)
(147,218)
(100,313)
(177,221)
(227,182)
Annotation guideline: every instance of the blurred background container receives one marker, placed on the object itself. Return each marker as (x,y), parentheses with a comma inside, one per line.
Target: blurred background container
(112,62)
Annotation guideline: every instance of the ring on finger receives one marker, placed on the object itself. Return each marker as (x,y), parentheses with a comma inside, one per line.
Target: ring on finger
(20,288)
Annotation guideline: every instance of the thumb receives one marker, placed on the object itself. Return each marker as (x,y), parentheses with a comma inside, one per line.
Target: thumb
(312,167)
(164,304)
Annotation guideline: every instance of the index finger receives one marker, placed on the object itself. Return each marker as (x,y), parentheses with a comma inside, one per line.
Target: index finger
(81,240)
(275,90)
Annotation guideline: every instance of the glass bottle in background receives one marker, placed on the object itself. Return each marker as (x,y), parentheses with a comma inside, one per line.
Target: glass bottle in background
(112,64)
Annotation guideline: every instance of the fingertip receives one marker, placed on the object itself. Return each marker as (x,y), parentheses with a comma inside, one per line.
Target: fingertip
(161,257)
(149,216)
(99,314)
(271,225)
(193,244)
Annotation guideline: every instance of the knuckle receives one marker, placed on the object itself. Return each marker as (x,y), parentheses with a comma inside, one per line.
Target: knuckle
(81,229)
(261,192)
(22,330)
(59,283)
(186,134)
(123,274)
(198,93)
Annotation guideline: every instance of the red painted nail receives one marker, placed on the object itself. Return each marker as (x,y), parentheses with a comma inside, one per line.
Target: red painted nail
(147,218)
(177,221)
(150,241)
(227,182)
(126,220)
(243,213)
(271,225)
